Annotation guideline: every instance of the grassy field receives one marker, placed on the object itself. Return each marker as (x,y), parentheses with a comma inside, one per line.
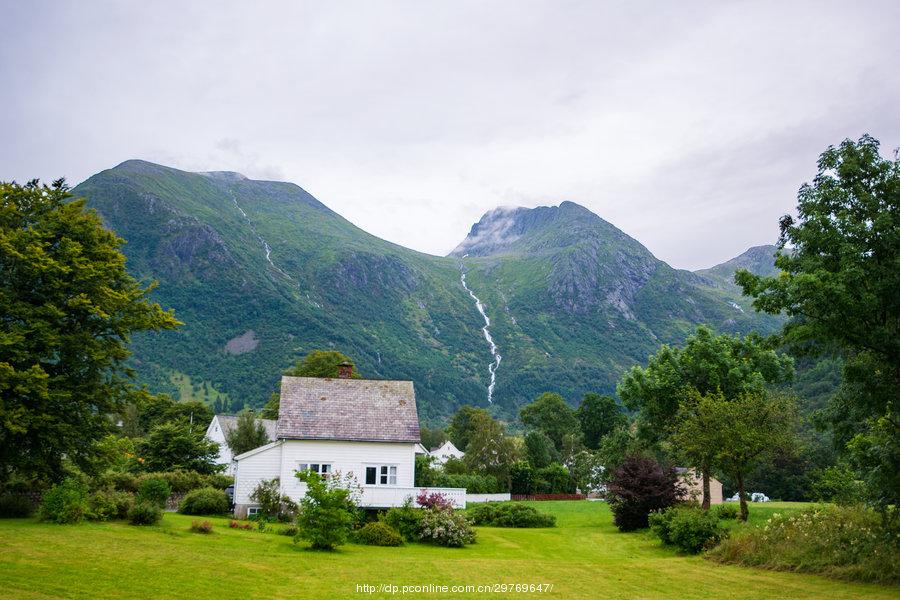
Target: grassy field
(583,557)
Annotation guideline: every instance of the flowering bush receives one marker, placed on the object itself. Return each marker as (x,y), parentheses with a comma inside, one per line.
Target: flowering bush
(446,528)
(843,542)
(433,500)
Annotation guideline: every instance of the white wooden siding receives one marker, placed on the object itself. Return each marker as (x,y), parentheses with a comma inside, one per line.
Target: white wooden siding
(346,457)
(255,468)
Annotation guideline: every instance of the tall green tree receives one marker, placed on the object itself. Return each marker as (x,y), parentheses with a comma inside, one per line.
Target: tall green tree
(708,363)
(550,414)
(739,432)
(489,450)
(539,449)
(599,415)
(68,308)
(174,446)
(248,433)
(317,363)
(462,425)
(839,281)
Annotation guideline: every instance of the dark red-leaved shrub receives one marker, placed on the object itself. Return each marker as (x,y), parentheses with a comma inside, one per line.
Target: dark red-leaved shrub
(638,487)
(433,500)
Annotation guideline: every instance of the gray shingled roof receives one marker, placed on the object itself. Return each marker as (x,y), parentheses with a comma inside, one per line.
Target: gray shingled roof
(315,408)
(227,423)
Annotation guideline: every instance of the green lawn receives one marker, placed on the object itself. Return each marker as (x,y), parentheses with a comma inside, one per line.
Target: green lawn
(583,557)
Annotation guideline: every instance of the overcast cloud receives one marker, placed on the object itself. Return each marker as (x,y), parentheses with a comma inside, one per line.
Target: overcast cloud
(688,125)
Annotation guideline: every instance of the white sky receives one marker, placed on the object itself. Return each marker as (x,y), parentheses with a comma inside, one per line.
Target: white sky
(688,125)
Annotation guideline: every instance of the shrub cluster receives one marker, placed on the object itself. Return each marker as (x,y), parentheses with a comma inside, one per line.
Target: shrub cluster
(201,526)
(179,481)
(405,519)
(688,528)
(107,504)
(509,514)
(145,513)
(845,542)
(15,506)
(446,528)
(726,511)
(65,502)
(154,490)
(272,504)
(378,533)
(474,484)
(204,501)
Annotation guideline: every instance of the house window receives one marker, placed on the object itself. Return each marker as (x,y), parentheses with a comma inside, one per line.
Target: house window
(253,510)
(323,469)
(381,475)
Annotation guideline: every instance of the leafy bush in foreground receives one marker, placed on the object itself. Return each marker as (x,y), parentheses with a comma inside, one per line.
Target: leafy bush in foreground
(327,511)
(509,514)
(65,502)
(107,504)
(688,528)
(405,519)
(145,513)
(378,533)
(205,501)
(15,506)
(638,487)
(842,542)
(446,528)
(272,504)
(155,490)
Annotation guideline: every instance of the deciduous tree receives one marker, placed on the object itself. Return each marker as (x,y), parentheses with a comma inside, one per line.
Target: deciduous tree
(68,308)
(248,433)
(839,282)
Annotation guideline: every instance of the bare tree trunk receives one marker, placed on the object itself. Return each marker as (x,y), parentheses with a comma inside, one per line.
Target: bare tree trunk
(744,510)
(705,473)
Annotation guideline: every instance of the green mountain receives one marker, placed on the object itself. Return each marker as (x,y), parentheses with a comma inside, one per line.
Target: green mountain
(261,272)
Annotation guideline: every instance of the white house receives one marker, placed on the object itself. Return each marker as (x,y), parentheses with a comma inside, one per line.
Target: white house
(362,427)
(220,426)
(445,451)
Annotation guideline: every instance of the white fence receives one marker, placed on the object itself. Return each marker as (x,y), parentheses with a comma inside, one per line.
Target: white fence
(386,497)
(487,497)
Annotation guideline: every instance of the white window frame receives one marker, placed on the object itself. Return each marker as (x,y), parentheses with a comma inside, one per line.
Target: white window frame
(323,469)
(253,510)
(386,475)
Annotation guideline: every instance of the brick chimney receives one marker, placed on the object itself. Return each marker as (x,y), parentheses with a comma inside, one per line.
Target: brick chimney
(345,370)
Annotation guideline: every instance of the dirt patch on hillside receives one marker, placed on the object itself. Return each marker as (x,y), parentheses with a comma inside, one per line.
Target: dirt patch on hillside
(246,342)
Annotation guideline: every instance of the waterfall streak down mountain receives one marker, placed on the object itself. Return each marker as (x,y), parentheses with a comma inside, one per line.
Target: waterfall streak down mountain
(264,243)
(492,368)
